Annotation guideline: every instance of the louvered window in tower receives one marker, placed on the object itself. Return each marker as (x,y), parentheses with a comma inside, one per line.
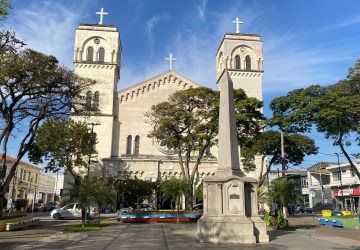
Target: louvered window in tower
(101,55)
(237,62)
(90,54)
(248,63)
(128,145)
(88,100)
(137,145)
(96,100)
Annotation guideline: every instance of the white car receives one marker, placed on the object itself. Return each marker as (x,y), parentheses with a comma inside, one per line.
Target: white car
(72,211)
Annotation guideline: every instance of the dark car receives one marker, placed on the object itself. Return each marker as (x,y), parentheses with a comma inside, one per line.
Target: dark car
(38,207)
(198,207)
(50,206)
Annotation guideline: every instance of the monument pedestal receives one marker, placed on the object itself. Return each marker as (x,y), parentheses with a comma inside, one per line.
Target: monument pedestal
(230,212)
(225,229)
(260,230)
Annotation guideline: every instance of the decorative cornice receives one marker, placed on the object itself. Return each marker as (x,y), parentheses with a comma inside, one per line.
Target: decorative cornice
(95,66)
(245,73)
(169,77)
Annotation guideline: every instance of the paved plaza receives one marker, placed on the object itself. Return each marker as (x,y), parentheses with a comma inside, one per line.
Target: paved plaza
(181,236)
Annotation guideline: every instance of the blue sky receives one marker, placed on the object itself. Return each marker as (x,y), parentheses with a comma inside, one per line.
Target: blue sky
(305,42)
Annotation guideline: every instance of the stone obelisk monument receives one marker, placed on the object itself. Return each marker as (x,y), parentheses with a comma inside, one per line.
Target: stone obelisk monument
(230,199)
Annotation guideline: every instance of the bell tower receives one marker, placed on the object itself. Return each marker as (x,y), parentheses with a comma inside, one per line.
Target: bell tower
(243,56)
(97,55)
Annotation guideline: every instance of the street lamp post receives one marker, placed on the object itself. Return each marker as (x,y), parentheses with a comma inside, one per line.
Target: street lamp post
(89,162)
(342,194)
(90,151)
(33,199)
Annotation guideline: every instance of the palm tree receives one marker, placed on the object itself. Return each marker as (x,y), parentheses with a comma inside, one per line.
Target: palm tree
(282,191)
(173,189)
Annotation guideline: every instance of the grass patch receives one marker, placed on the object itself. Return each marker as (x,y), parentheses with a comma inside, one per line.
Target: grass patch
(86,228)
(347,221)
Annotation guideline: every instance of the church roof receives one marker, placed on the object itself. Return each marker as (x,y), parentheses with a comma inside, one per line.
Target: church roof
(168,77)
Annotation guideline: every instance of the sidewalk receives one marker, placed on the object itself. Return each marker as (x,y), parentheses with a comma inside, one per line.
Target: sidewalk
(182,236)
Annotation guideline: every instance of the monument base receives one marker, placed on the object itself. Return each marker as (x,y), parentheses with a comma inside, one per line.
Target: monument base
(225,229)
(260,230)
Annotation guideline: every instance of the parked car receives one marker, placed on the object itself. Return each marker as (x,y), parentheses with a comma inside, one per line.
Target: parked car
(299,208)
(308,209)
(198,207)
(71,211)
(144,207)
(125,210)
(38,207)
(49,206)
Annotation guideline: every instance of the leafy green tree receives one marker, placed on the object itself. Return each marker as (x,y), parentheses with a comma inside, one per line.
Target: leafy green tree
(92,190)
(188,124)
(63,144)
(173,189)
(66,144)
(268,144)
(134,190)
(5,5)
(334,110)
(102,192)
(282,191)
(33,88)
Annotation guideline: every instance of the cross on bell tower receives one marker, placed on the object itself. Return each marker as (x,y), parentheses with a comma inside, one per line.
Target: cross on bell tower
(238,22)
(102,14)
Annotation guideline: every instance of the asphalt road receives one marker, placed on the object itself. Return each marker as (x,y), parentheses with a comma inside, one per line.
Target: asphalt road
(46,227)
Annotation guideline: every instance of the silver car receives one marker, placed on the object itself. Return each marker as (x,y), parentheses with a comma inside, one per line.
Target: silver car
(71,211)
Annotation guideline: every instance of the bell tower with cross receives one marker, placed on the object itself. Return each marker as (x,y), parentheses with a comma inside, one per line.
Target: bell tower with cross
(242,55)
(97,55)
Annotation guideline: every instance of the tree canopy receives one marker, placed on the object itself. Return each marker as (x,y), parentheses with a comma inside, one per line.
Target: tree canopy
(268,143)
(63,144)
(5,5)
(188,124)
(33,87)
(334,110)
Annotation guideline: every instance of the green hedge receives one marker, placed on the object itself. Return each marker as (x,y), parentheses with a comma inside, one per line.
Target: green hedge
(162,212)
(11,217)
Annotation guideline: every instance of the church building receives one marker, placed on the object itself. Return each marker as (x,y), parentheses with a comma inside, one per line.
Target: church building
(120,125)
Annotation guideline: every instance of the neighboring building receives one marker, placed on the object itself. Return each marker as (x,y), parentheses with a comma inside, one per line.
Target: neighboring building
(123,145)
(333,186)
(46,189)
(319,191)
(25,182)
(30,183)
(345,186)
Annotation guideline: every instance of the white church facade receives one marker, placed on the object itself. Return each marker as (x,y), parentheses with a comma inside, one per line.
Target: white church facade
(120,123)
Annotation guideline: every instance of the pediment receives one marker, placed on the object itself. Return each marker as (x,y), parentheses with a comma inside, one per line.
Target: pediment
(168,77)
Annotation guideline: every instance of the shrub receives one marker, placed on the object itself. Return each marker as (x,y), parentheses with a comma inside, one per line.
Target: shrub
(20,203)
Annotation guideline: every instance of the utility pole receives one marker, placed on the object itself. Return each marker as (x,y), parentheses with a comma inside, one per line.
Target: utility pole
(342,193)
(282,155)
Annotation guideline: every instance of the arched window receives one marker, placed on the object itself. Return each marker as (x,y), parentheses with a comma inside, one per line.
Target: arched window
(137,145)
(101,55)
(248,63)
(88,100)
(90,54)
(96,100)
(128,145)
(237,62)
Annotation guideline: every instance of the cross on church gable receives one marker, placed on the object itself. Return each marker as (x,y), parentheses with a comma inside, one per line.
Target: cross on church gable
(101,14)
(171,59)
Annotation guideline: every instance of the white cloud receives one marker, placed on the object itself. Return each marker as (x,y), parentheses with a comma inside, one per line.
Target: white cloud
(202,9)
(48,27)
(151,24)
(353,20)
